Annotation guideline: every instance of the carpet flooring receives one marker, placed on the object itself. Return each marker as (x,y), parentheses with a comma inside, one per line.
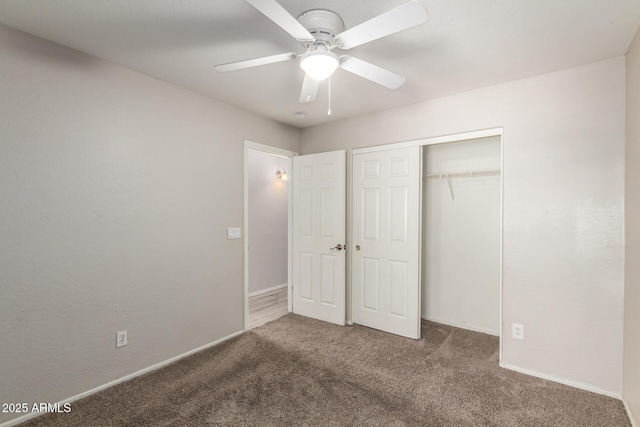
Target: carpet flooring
(300,372)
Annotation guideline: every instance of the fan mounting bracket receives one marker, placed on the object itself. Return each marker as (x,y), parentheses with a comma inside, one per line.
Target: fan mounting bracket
(324,25)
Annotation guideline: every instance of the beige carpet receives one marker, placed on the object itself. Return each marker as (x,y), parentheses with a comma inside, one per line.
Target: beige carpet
(296,371)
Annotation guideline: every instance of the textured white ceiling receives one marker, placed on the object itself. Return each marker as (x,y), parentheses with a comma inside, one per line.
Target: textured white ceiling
(465,44)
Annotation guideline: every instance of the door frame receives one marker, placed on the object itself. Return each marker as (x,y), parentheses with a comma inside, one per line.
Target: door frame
(280,152)
(465,136)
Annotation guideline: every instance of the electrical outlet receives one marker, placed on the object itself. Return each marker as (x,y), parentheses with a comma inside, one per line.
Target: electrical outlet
(121,339)
(517,331)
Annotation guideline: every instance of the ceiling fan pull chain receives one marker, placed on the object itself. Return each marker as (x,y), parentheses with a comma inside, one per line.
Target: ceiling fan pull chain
(329,111)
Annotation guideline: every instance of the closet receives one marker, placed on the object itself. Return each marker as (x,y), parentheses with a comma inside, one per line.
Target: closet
(461,205)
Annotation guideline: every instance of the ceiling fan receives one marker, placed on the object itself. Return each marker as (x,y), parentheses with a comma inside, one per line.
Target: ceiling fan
(321,31)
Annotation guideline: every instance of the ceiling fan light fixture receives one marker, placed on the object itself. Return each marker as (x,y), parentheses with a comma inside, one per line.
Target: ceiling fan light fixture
(319,64)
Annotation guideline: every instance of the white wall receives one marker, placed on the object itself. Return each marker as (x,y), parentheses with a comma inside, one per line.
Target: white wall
(116,190)
(632,233)
(563,207)
(461,236)
(268,221)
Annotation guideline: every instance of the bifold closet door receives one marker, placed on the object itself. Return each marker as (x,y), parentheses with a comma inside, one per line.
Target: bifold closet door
(319,236)
(386,240)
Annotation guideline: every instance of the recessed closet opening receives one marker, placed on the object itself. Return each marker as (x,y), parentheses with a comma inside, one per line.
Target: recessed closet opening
(461,243)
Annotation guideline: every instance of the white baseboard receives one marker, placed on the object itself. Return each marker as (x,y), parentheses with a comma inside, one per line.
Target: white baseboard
(576,384)
(264,291)
(82,395)
(463,326)
(629,413)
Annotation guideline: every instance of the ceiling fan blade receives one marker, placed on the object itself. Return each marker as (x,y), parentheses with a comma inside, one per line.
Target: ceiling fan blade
(309,90)
(372,72)
(396,20)
(233,66)
(278,14)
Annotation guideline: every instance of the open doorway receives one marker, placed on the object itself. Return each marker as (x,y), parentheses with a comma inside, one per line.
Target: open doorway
(267,233)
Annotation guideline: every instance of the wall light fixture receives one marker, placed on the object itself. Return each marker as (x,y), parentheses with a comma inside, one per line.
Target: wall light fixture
(282,174)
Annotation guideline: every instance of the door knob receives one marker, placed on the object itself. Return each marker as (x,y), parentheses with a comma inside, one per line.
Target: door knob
(357,247)
(338,247)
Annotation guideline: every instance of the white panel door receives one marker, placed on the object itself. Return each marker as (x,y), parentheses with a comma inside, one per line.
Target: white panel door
(319,236)
(386,240)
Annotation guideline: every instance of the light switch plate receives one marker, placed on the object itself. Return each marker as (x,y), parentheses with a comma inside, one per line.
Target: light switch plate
(234,233)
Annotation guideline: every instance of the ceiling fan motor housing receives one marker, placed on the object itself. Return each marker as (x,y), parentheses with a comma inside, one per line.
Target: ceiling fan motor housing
(324,25)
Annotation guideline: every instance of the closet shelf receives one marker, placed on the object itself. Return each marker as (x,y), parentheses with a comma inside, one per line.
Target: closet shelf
(471,174)
(474,174)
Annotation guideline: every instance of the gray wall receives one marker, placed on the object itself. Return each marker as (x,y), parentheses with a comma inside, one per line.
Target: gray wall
(461,236)
(632,234)
(563,207)
(268,221)
(116,191)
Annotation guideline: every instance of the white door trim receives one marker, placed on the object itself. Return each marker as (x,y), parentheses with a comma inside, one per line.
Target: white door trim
(441,140)
(434,140)
(254,146)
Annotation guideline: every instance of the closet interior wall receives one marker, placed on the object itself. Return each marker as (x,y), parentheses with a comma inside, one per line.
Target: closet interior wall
(461,234)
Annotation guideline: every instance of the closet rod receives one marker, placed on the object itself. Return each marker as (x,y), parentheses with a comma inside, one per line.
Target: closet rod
(473,174)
